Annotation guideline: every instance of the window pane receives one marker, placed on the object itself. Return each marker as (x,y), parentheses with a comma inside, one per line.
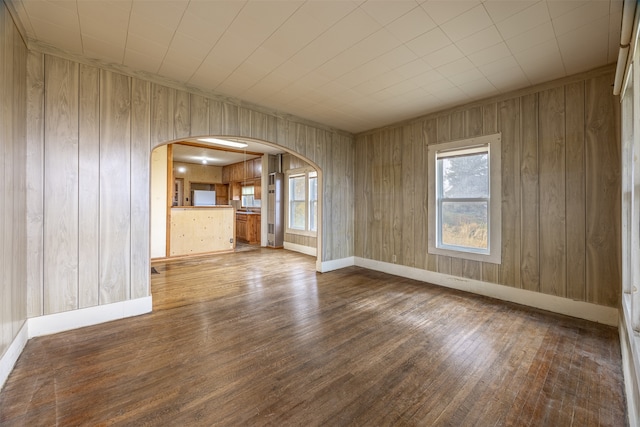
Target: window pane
(465,224)
(296,214)
(465,176)
(296,188)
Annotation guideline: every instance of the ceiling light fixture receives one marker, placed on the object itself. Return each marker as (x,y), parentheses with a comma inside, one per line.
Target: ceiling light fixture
(217,141)
(204,161)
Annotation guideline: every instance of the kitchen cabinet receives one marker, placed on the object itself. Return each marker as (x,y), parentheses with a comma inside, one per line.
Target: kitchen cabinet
(242,171)
(222,194)
(257,189)
(248,227)
(236,190)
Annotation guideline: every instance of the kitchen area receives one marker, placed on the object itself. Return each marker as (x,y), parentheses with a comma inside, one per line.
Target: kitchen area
(213,199)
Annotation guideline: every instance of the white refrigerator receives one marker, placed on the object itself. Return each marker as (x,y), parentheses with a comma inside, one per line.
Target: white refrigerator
(203,198)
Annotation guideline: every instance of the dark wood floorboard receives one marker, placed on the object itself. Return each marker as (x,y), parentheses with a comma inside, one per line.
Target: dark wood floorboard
(259,338)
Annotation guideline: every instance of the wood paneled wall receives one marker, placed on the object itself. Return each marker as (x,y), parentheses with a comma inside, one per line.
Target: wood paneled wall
(90,134)
(13,181)
(560,189)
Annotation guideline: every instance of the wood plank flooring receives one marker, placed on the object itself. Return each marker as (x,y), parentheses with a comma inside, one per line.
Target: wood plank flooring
(259,338)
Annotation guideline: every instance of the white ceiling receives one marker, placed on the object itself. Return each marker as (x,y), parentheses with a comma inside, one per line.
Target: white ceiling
(353,65)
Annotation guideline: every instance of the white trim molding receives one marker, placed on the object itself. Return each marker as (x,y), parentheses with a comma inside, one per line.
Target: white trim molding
(334,264)
(630,349)
(10,357)
(67,320)
(555,304)
(307,250)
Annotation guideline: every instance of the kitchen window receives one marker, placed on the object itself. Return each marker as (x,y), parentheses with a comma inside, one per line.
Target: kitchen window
(302,212)
(248,197)
(465,199)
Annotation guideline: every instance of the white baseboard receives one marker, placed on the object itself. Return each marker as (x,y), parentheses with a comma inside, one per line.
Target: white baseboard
(307,250)
(334,264)
(569,307)
(629,347)
(65,321)
(10,357)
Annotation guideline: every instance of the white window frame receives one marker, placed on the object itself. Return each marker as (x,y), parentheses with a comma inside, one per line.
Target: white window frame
(492,143)
(306,172)
(242,198)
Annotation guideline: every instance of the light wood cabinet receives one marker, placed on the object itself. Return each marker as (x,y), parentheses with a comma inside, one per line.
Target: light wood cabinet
(257,189)
(248,228)
(257,167)
(222,194)
(241,171)
(236,190)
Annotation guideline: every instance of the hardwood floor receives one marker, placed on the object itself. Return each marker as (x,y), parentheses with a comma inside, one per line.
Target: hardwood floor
(260,338)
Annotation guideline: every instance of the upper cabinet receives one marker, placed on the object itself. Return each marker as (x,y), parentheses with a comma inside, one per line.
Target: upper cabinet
(242,171)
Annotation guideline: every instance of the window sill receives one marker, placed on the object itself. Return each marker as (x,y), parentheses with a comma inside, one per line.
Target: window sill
(495,258)
(301,232)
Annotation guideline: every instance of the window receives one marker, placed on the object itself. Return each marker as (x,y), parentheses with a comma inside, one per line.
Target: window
(302,215)
(464,199)
(248,200)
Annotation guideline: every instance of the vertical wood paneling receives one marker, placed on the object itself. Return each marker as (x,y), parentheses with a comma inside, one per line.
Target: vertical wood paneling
(335,236)
(360,193)
(215,118)
(575,191)
(162,102)
(602,194)
(473,122)
(19,278)
(329,200)
(396,203)
(181,115)
(13,162)
(6,288)
(263,126)
(230,119)
(509,125)
(553,257)
(429,135)
(329,203)
(6,180)
(490,272)
(386,195)
(368,199)
(12,181)
(140,197)
(347,211)
(61,186)
(35,183)
(244,122)
(376,198)
(199,115)
(115,185)
(529,244)
(89,187)
(409,177)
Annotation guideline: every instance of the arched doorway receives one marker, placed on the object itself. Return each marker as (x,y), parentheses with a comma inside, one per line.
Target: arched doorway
(271,158)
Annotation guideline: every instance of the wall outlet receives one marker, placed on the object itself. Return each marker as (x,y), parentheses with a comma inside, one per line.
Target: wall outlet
(394,258)
(231,240)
